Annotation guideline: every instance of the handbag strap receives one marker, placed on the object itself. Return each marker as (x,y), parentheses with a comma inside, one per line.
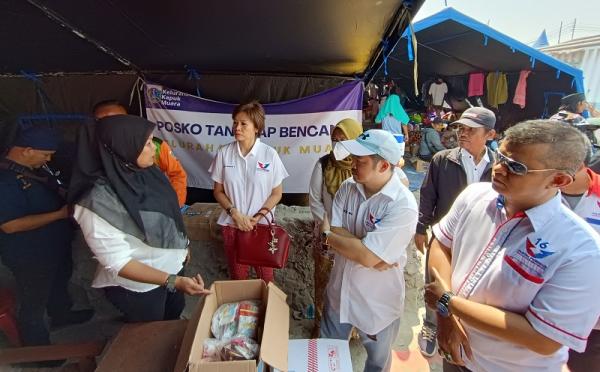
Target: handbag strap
(265,216)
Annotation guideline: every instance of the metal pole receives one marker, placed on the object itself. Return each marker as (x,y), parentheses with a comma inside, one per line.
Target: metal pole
(573,32)
(559,32)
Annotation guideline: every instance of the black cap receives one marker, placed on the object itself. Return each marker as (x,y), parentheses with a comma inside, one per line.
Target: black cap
(572,99)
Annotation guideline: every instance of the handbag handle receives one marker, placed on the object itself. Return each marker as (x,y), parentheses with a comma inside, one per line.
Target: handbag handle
(265,217)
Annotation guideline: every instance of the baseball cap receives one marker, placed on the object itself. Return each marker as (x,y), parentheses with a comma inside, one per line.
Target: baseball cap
(478,117)
(572,99)
(372,142)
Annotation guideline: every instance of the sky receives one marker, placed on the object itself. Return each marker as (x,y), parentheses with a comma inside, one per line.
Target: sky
(525,20)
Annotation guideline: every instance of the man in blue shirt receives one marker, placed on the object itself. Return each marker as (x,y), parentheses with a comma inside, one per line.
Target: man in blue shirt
(35,235)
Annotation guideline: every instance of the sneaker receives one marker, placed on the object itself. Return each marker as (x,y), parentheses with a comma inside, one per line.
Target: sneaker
(427,341)
(72,317)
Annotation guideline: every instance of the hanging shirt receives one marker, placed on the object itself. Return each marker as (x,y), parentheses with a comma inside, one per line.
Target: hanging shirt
(392,125)
(521,90)
(541,263)
(475,84)
(437,92)
(497,89)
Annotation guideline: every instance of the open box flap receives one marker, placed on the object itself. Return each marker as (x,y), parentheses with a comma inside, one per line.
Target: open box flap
(274,350)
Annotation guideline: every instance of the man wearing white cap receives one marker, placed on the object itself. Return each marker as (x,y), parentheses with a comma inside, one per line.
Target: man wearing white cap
(373,219)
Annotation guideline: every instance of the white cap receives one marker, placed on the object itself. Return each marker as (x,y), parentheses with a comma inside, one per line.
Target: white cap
(372,142)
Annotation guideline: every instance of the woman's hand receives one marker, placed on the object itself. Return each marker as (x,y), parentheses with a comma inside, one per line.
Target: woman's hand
(193,286)
(243,222)
(435,289)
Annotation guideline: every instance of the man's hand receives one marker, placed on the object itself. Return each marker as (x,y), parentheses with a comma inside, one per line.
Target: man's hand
(420,241)
(451,336)
(193,286)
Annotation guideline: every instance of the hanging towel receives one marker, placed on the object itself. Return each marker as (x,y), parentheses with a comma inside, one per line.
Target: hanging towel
(521,91)
(476,84)
(497,89)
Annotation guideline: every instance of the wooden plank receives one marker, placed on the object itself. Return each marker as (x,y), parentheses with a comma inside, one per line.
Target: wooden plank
(50,352)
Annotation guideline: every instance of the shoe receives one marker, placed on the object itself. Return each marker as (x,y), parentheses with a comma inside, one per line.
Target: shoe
(428,341)
(72,317)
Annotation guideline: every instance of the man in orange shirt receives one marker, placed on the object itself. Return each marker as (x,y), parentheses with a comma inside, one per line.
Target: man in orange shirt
(164,158)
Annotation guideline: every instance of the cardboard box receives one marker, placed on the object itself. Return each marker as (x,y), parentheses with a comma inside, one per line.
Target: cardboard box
(275,332)
(421,166)
(148,347)
(319,355)
(200,221)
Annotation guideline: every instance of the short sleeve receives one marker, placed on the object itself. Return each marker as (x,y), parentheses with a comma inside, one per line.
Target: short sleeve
(315,193)
(445,229)
(14,202)
(280,173)
(566,308)
(338,204)
(107,243)
(393,233)
(216,168)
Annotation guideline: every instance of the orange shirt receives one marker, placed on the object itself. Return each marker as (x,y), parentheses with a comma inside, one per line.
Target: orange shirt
(170,166)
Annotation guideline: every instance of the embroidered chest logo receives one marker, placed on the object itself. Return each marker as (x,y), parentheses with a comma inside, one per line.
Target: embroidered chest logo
(372,221)
(263,166)
(538,250)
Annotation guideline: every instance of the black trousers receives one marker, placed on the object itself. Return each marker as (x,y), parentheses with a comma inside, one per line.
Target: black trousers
(588,360)
(157,304)
(42,285)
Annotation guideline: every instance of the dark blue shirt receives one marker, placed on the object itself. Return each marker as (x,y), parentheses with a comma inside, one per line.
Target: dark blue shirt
(17,199)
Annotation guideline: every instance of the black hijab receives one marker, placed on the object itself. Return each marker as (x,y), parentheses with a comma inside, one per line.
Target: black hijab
(107,167)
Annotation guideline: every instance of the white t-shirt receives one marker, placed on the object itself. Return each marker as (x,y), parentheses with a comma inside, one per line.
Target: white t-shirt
(542,263)
(248,181)
(114,249)
(473,171)
(437,92)
(386,222)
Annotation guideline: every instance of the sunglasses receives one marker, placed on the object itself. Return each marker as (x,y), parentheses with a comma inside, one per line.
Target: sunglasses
(518,168)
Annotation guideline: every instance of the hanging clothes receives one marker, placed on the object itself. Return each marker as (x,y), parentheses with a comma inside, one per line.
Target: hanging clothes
(497,89)
(521,91)
(457,86)
(437,91)
(476,84)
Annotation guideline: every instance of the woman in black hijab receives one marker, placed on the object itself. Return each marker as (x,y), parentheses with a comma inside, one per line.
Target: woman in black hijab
(130,219)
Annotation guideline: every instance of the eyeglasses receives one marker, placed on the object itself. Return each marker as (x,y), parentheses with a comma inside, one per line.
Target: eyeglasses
(519,168)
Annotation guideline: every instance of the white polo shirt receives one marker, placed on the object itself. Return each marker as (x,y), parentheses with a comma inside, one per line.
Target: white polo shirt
(542,263)
(386,222)
(248,181)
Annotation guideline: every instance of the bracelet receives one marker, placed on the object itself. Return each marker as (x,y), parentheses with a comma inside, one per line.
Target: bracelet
(264,209)
(228,210)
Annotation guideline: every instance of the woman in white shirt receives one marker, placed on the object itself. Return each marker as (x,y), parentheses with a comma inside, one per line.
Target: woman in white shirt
(130,218)
(248,178)
(328,174)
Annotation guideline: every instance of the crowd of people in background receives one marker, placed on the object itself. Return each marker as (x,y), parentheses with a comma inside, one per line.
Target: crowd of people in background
(509,229)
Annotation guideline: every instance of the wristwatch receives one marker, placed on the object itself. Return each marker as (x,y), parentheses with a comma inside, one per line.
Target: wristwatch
(170,283)
(325,236)
(443,304)
(228,210)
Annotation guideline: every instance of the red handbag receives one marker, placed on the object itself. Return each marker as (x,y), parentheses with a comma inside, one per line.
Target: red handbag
(265,245)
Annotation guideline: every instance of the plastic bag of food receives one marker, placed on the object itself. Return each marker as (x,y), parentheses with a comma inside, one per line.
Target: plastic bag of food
(211,351)
(236,319)
(239,348)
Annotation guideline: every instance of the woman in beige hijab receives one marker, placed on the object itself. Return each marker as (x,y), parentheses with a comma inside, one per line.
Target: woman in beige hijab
(327,177)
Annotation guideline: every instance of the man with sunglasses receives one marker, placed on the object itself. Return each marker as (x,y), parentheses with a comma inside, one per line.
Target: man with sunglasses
(450,171)
(516,272)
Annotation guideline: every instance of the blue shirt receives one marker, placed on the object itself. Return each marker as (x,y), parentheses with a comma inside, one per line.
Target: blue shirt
(19,200)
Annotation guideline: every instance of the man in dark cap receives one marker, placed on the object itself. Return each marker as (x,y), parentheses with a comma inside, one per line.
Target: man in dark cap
(35,235)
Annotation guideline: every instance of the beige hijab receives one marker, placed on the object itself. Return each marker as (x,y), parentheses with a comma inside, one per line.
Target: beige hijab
(337,171)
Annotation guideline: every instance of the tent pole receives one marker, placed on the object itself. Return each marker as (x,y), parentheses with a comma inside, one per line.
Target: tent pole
(64,23)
